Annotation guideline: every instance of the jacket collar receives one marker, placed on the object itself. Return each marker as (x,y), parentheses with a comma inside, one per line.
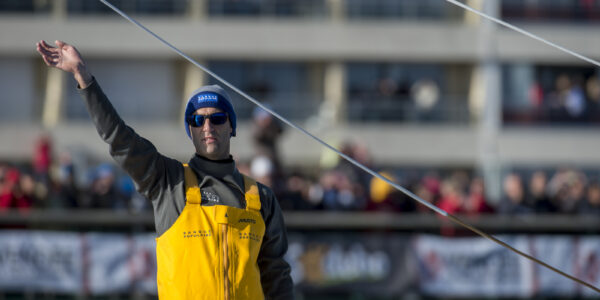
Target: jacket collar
(221,169)
(215,168)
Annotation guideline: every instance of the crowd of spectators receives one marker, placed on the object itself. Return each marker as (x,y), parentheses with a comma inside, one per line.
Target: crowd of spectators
(568,98)
(52,181)
(49,182)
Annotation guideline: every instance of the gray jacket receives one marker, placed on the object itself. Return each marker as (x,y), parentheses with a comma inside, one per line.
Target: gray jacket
(161,180)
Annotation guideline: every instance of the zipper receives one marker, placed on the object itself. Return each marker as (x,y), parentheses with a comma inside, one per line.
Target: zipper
(225,261)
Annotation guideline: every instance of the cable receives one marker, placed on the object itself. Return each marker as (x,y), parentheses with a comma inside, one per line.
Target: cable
(231,86)
(525,32)
(346,157)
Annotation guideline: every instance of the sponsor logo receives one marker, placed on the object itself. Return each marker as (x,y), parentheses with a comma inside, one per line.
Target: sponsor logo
(197,234)
(252,221)
(210,197)
(207,97)
(250,236)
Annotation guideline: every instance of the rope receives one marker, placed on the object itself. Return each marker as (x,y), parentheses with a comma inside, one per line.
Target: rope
(346,157)
(525,32)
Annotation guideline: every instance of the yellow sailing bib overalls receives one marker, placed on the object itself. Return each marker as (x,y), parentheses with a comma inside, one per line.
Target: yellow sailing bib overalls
(211,251)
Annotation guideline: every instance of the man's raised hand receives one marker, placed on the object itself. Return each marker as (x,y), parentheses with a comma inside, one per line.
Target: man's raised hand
(65,57)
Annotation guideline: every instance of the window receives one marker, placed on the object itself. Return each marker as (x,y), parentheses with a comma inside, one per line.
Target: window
(401,9)
(139,90)
(152,7)
(19,101)
(550,94)
(382,92)
(273,8)
(282,85)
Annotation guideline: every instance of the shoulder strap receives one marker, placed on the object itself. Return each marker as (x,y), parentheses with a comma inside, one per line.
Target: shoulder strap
(192,191)
(251,194)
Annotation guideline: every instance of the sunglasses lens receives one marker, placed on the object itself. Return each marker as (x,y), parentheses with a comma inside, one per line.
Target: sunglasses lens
(196,120)
(218,118)
(215,119)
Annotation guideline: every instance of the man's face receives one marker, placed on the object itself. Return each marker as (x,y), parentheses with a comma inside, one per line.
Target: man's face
(211,141)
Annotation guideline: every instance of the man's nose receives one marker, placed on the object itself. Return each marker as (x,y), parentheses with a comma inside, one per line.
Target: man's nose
(207,126)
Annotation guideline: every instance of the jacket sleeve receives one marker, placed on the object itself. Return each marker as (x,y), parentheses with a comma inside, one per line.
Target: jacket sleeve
(136,155)
(274,270)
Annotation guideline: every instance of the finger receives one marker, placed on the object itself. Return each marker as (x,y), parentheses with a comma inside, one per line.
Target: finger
(46,49)
(60,44)
(47,61)
(45,45)
(45,52)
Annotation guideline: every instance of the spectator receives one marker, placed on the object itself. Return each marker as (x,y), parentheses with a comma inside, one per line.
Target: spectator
(567,189)
(30,189)
(425,94)
(451,197)
(537,195)
(345,185)
(42,159)
(386,88)
(11,192)
(428,189)
(591,205)
(340,193)
(575,100)
(384,197)
(593,95)
(558,98)
(266,133)
(536,96)
(451,201)
(262,169)
(103,192)
(62,190)
(301,194)
(475,202)
(513,201)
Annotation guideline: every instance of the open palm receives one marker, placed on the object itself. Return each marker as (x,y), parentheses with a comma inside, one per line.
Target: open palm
(63,56)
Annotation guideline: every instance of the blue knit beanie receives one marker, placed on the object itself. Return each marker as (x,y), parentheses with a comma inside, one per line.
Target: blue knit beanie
(210,96)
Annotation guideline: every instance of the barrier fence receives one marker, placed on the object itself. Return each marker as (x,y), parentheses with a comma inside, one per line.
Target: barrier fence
(371,254)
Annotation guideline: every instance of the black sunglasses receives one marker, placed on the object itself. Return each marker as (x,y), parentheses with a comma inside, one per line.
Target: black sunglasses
(215,119)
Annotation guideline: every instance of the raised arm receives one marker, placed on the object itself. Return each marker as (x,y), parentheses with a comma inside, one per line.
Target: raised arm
(66,58)
(151,171)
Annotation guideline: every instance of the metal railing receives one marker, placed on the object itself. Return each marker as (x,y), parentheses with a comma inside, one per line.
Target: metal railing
(453,109)
(312,221)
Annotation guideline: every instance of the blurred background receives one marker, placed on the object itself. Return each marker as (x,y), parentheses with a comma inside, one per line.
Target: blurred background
(479,120)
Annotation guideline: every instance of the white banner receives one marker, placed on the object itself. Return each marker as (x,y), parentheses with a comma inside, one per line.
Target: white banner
(143,263)
(560,253)
(121,263)
(103,263)
(587,264)
(40,260)
(473,266)
(108,262)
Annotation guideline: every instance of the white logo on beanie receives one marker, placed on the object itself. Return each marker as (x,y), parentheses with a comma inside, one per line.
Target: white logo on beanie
(207,97)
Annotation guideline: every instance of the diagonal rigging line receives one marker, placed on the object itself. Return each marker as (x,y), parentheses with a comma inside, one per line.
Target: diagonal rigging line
(525,32)
(346,157)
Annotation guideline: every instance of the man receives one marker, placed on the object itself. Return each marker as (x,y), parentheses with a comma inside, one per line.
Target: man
(220,234)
